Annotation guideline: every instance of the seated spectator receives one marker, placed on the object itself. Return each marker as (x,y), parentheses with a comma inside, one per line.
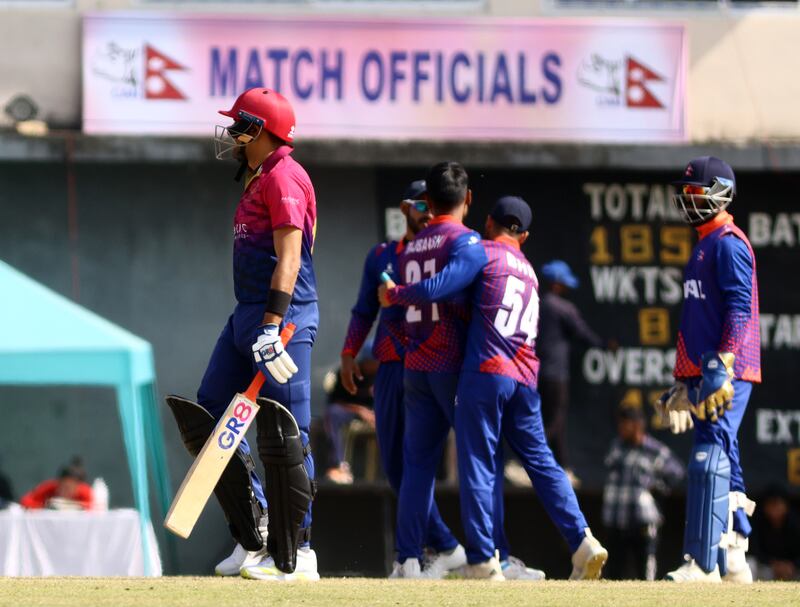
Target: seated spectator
(638,465)
(67,492)
(775,542)
(342,409)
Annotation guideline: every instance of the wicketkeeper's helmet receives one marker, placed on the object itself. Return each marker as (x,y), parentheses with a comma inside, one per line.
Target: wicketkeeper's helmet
(707,187)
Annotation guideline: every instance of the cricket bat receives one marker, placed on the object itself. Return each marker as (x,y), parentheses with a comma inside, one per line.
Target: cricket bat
(210,463)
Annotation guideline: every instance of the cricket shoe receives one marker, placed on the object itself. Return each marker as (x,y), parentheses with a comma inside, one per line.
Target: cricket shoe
(241,557)
(690,571)
(306,569)
(488,570)
(739,571)
(408,570)
(588,559)
(514,569)
(441,563)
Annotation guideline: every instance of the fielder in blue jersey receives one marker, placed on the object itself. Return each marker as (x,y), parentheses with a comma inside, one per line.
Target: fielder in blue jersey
(389,350)
(718,360)
(497,394)
(436,335)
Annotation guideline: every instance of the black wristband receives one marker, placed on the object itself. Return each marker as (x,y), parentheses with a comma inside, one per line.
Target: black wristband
(278,302)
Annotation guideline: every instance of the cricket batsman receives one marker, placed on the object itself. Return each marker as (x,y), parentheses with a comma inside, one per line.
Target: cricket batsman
(718,360)
(389,349)
(496,394)
(274,284)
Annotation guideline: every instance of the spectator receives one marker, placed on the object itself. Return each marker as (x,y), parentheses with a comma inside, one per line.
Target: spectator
(560,323)
(342,409)
(638,465)
(67,492)
(776,537)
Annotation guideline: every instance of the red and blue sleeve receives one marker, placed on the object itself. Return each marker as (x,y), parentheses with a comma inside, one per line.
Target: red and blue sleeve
(467,259)
(735,281)
(363,314)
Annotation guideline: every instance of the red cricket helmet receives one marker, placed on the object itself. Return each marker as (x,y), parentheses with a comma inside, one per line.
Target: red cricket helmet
(269,108)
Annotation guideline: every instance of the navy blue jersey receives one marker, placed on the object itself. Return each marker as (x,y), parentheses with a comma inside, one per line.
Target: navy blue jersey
(389,343)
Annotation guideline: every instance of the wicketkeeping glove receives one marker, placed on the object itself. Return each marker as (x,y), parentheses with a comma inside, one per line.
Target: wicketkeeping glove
(674,408)
(716,387)
(270,355)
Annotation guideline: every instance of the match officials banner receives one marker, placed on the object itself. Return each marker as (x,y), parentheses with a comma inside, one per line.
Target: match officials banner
(554,80)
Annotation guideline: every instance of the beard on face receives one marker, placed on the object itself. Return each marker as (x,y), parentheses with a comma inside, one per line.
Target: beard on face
(239,153)
(415,225)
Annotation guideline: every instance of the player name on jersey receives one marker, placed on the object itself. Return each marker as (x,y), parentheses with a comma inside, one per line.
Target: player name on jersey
(427,243)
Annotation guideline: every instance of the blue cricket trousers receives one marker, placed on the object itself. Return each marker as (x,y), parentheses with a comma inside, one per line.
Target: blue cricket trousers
(429,408)
(232,368)
(487,406)
(725,433)
(389,425)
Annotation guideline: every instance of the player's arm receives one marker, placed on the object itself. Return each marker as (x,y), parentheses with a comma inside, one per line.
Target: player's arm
(289,250)
(735,282)
(467,259)
(286,202)
(362,317)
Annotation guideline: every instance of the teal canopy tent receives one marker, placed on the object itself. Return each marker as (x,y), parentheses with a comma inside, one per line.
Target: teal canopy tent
(81,348)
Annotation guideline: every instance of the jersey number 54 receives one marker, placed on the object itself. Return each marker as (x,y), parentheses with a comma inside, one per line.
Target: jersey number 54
(511,319)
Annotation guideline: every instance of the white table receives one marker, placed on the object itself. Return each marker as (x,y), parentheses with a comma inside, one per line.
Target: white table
(85,543)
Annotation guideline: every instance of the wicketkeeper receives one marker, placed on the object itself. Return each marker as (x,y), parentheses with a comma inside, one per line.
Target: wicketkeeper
(718,361)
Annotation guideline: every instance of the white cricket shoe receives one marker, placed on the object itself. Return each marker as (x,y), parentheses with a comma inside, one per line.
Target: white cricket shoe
(514,569)
(306,569)
(588,559)
(739,571)
(241,557)
(442,563)
(488,570)
(409,570)
(690,571)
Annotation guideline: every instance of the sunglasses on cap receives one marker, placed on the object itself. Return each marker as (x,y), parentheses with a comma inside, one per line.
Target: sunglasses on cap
(420,206)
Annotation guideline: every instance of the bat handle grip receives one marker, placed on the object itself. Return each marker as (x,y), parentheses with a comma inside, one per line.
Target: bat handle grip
(255,386)
(385,278)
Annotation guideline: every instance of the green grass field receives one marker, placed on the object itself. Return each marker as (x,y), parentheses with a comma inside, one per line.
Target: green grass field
(211,592)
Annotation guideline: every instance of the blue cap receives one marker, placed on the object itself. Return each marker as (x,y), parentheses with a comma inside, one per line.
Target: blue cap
(705,170)
(512,212)
(558,271)
(415,190)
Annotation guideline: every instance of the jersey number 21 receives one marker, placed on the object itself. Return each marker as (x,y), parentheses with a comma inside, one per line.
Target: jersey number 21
(413,275)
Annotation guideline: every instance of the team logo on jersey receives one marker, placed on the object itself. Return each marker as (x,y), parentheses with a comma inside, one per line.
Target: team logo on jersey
(701,255)
(624,81)
(145,72)
(693,289)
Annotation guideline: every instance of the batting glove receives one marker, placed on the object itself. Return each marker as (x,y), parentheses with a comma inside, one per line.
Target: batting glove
(271,357)
(716,387)
(674,408)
